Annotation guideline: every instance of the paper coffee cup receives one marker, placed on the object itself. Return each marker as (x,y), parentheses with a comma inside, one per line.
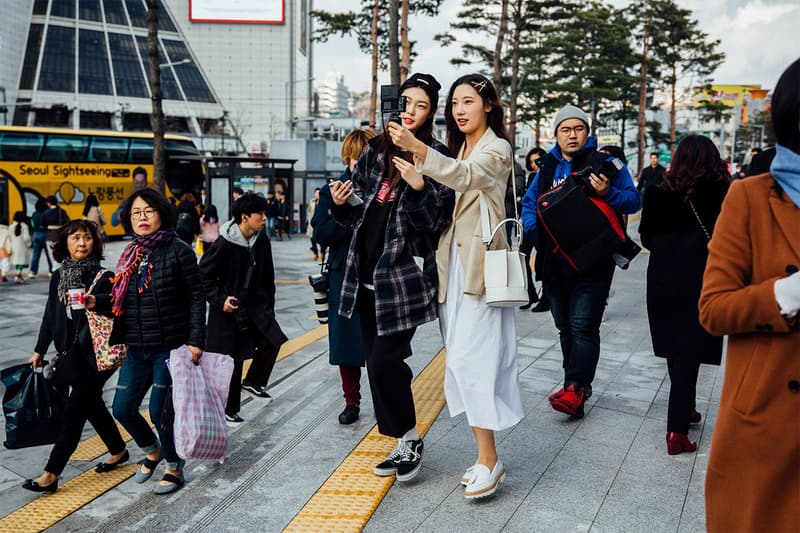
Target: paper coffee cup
(76,297)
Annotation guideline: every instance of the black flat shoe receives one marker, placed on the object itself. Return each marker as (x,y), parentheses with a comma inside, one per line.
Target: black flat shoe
(108,467)
(526,306)
(541,307)
(349,415)
(35,487)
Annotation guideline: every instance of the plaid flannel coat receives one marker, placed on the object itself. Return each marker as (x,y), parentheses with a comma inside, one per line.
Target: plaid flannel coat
(405,294)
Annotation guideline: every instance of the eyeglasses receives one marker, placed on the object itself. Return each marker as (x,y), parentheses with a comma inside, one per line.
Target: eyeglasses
(143,213)
(580,128)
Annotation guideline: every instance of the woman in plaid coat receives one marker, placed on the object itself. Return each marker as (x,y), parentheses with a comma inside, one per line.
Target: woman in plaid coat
(390,276)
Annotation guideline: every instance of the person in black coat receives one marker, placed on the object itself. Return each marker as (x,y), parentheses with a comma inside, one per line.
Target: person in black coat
(651,175)
(344,334)
(284,216)
(158,304)
(678,218)
(239,284)
(79,249)
(188,222)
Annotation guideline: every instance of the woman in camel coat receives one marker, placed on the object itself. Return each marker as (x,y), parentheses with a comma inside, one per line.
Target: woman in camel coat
(751,292)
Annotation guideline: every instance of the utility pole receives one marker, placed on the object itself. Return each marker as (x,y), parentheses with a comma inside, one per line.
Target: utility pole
(223,121)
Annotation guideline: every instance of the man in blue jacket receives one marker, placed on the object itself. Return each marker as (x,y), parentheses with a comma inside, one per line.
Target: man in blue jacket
(577,299)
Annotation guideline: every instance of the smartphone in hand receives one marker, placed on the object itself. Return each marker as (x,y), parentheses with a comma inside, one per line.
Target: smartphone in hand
(354,200)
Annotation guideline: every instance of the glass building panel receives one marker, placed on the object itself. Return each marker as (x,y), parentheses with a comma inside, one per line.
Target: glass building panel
(169,87)
(94,76)
(63,8)
(31,57)
(108,150)
(21,146)
(137,122)
(164,20)
(65,148)
(115,14)
(40,7)
(128,75)
(194,86)
(57,72)
(141,151)
(137,13)
(89,10)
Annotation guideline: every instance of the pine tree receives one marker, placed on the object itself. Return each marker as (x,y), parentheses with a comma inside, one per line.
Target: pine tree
(684,51)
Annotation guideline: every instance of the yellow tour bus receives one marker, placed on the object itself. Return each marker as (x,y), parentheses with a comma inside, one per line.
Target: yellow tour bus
(72,164)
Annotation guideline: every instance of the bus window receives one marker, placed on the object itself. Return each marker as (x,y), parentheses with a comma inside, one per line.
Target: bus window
(20,146)
(141,151)
(65,148)
(108,150)
(184,168)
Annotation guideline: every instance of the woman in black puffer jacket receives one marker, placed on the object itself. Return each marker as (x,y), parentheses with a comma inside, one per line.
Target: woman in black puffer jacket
(158,303)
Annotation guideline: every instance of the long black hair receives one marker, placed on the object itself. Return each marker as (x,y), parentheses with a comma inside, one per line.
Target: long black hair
(786,108)
(20,218)
(494,118)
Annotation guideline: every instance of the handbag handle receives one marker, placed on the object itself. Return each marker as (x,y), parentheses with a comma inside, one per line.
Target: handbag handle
(487,233)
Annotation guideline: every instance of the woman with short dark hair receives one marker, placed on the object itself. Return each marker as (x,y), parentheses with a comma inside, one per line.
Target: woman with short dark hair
(79,249)
(157,300)
(678,219)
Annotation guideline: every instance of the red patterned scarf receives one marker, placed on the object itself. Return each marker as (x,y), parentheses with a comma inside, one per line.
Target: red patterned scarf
(130,260)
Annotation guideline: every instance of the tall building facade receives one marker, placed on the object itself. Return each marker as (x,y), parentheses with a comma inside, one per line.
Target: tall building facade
(262,72)
(333,96)
(84,64)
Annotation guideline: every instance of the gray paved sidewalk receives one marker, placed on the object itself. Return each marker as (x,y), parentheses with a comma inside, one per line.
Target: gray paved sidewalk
(607,472)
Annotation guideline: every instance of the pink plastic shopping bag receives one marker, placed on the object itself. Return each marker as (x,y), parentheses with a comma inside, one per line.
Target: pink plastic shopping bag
(199,393)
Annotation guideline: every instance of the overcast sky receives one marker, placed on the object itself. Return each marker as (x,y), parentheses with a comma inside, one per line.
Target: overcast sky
(759,38)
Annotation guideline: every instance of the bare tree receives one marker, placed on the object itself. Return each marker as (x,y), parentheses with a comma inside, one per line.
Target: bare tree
(405,44)
(373,95)
(394,43)
(157,116)
(497,65)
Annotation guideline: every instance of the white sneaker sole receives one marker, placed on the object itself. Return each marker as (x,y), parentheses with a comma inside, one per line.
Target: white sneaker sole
(487,491)
(384,472)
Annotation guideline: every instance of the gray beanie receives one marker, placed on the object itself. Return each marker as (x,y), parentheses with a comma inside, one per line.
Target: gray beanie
(567,112)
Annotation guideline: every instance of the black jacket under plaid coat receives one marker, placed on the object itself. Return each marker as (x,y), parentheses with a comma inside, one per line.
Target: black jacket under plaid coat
(405,295)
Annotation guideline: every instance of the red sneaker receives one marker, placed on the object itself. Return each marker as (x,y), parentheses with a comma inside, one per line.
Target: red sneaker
(571,401)
(557,394)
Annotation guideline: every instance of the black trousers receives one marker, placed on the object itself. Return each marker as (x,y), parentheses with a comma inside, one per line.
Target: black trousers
(389,375)
(85,402)
(526,247)
(682,392)
(258,375)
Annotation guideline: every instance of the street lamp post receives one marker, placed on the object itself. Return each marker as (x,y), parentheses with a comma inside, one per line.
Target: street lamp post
(290,119)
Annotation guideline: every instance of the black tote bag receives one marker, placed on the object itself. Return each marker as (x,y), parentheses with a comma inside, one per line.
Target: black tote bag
(32,407)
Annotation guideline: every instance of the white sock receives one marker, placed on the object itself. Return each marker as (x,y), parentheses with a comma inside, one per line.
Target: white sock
(411,434)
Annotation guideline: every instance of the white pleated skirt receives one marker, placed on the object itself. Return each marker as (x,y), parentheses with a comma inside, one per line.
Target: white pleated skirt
(481,375)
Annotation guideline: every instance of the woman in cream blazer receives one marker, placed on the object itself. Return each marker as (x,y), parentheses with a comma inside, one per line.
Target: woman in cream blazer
(481,377)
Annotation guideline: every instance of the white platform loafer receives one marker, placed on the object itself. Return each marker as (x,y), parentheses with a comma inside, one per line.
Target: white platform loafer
(484,483)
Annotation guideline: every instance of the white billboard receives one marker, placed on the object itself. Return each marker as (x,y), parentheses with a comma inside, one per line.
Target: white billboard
(249,11)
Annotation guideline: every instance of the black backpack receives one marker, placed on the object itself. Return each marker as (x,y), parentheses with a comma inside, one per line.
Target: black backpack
(584,228)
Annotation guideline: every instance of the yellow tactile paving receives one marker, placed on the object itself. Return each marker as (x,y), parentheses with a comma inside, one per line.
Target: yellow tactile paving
(293,345)
(291,281)
(352,493)
(48,509)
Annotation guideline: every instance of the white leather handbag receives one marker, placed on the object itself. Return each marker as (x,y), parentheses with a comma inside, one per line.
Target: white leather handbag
(503,270)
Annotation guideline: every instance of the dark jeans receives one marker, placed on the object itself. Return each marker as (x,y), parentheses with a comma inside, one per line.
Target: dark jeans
(39,241)
(682,391)
(577,303)
(351,384)
(258,375)
(140,370)
(85,402)
(389,375)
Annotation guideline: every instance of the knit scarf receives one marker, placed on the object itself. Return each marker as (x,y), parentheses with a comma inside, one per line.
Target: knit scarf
(786,171)
(72,275)
(130,260)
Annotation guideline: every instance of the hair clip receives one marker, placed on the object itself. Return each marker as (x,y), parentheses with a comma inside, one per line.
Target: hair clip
(479,85)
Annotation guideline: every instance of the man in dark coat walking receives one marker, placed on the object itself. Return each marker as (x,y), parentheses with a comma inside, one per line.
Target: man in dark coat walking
(651,175)
(239,285)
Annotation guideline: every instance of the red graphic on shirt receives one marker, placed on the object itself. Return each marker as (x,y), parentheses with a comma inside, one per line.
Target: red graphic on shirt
(385,193)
